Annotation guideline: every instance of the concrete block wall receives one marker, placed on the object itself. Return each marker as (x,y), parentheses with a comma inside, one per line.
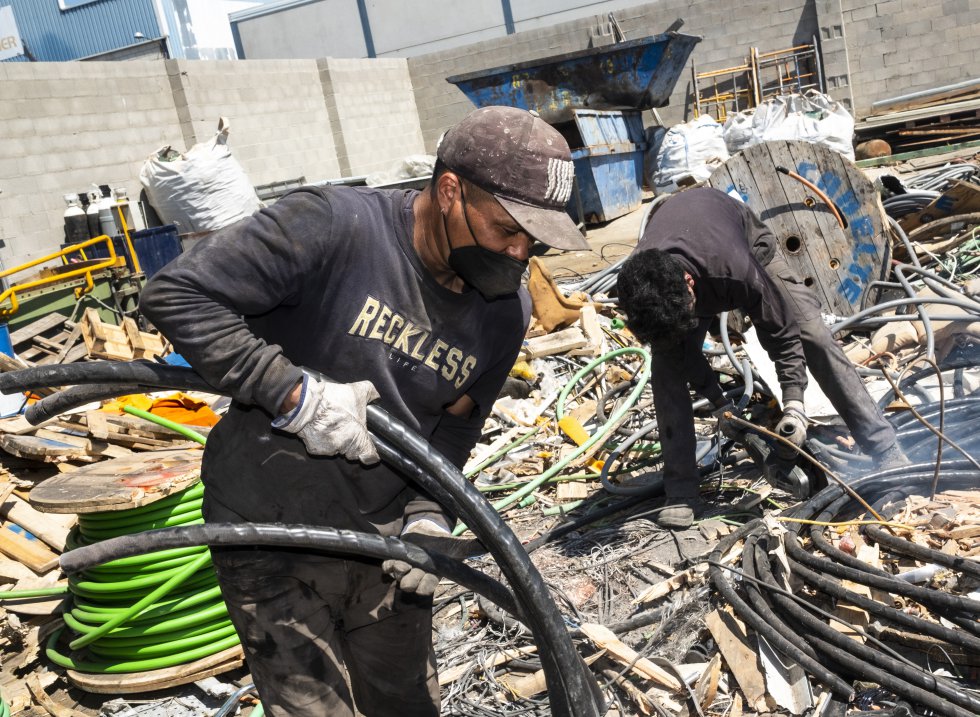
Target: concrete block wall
(728,31)
(897,47)
(280,128)
(373,113)
(65,126)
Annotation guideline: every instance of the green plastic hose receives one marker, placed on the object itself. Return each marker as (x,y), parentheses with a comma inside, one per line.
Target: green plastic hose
(173,426)
(643,376)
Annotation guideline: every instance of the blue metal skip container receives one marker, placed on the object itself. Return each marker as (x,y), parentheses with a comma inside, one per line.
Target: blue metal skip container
(633,75)
(607,150)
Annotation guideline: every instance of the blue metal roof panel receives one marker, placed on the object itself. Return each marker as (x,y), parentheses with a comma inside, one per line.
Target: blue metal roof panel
(52,34)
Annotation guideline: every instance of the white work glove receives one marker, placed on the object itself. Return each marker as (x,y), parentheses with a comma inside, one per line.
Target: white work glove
(331,419)
(726,426)
(792,427)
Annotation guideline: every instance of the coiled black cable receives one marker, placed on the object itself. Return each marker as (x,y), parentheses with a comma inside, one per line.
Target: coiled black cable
(330,540)
(837,685)
(572,689)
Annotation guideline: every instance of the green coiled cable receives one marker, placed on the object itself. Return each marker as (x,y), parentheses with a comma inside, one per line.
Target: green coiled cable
(148,611)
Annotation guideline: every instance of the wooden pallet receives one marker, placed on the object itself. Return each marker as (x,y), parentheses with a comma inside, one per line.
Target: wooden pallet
(52,339)
(120,343)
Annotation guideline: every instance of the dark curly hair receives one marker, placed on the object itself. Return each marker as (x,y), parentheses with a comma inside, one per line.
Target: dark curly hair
(654,296)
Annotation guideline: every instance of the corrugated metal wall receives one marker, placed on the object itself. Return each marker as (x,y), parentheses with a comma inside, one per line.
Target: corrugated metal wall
(52,34)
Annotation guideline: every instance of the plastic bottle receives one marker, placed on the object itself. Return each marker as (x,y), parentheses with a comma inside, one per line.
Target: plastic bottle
(92,215)
(107,213)
(76,221)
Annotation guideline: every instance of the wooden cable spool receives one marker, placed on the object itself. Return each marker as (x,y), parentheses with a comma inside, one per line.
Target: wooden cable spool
(839,263)
(120,483)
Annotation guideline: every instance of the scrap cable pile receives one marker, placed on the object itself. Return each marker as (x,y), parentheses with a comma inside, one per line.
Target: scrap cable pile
(766,593)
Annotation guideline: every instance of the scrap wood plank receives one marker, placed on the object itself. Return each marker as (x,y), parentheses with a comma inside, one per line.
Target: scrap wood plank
(591,329)
(19,425)
(851,614)
(142,682)
(45,700)
(66,348)
(558,342)
(35,328)
(707,684)
(681,579)
(929,645)
(534,684)
(742,660)
(52,529)
(45,450)
(665,587)
(15,690)
(12,571)
(97,424)
(91,447)
(569,491)
(119,483)
(32,553)
(606,639)
(964,532)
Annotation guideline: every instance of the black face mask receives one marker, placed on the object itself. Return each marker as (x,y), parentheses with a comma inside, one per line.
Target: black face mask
(491,273)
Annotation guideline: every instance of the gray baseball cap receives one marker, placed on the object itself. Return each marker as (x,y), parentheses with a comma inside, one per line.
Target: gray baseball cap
(522,161)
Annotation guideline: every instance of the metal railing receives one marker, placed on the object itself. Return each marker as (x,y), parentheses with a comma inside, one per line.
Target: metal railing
(10,293)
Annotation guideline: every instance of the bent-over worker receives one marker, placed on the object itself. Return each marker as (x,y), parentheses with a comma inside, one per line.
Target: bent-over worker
(703,252)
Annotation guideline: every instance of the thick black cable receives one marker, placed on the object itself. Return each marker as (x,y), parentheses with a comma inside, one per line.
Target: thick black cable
(327,540)
(922,552)
(867,662)
(837,686)
(572,688)
(849,567)
(758,600)
(927,627)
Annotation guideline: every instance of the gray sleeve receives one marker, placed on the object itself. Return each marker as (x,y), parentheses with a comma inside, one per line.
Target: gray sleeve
(761,240)
(200,301)
(779,332)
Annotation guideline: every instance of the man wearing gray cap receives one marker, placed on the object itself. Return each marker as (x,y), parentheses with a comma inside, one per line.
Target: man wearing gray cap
(412,299)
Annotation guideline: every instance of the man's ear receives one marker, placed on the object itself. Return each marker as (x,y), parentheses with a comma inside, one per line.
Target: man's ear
(446,188)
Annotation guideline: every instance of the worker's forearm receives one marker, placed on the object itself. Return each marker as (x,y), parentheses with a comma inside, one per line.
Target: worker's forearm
(292,399)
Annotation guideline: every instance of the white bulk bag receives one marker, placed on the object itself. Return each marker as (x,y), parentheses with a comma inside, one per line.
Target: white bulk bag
(203,189)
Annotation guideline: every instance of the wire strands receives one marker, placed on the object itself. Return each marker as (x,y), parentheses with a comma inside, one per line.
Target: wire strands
(144,612)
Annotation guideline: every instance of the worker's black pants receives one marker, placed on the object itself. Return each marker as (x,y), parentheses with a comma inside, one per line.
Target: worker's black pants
(673,368)
(322,635)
